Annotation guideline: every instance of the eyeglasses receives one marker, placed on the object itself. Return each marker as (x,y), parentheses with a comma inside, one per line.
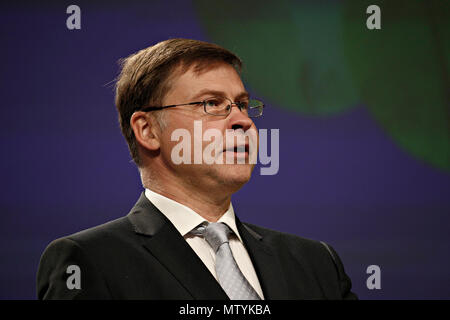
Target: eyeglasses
(220,106)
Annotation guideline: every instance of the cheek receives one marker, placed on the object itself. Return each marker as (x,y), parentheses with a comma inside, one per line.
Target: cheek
(209,134)
(181,142)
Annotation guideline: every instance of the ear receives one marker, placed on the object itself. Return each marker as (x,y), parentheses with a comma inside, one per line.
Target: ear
(146,130)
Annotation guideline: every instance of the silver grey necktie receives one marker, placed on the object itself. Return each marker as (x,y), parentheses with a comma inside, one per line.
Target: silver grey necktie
(228,273)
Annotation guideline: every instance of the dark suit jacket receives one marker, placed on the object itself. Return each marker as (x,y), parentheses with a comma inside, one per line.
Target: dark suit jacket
(143,256)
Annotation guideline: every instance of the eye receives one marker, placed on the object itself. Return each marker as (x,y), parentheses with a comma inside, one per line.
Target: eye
(212,103)
(243,105)
(215,103)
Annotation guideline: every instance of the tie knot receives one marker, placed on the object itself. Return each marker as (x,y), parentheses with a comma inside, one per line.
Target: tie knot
(215,233)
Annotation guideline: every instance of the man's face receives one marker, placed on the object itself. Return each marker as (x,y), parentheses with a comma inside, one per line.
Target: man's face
(220,80)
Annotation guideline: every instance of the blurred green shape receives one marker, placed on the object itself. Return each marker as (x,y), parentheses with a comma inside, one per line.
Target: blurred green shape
(402,72)
(319,58)
(291,51)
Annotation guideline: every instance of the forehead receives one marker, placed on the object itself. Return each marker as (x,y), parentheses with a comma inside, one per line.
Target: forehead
(216,77)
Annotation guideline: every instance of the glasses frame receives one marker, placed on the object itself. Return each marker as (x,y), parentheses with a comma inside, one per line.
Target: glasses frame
(240,107)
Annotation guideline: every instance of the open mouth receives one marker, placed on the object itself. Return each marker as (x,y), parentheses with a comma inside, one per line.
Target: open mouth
(238,149)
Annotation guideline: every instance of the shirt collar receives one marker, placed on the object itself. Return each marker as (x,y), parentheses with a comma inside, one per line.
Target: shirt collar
(184,218)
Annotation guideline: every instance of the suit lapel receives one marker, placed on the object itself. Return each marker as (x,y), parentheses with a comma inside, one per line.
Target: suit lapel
(265,262)
(167,245)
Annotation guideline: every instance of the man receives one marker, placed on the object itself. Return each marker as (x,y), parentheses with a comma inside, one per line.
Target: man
(182,239)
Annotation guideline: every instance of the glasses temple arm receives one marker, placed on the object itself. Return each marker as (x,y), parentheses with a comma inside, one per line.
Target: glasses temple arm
(171,106)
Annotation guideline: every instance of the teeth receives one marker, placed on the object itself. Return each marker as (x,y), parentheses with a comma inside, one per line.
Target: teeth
(238,149)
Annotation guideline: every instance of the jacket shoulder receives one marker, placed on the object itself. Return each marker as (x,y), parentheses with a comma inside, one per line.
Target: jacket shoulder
(113,229)
(98,240)
(321,257)
(298,246)
(90,251)
(284,237)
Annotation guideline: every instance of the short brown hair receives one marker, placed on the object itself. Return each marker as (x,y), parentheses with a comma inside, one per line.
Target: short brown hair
(144,77)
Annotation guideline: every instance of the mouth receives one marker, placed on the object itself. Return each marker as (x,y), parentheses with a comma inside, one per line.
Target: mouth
(237,153)
(241,149)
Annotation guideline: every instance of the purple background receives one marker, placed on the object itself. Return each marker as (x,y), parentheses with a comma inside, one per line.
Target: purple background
(65,166)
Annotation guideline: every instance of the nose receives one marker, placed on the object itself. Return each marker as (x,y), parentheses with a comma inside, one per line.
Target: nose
(238,119)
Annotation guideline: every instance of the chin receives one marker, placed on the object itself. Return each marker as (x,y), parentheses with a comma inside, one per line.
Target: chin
(236,175)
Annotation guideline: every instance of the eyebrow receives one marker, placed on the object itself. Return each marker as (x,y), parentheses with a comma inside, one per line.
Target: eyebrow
(243,94)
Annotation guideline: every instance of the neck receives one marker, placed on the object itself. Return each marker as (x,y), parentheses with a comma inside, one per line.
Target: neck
(206,203)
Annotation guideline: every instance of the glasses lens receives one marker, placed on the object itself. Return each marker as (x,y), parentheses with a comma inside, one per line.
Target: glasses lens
(221,106)
(217,106)
(255,108)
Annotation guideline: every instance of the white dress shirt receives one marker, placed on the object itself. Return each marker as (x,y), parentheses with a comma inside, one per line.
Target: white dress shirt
(185,219)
